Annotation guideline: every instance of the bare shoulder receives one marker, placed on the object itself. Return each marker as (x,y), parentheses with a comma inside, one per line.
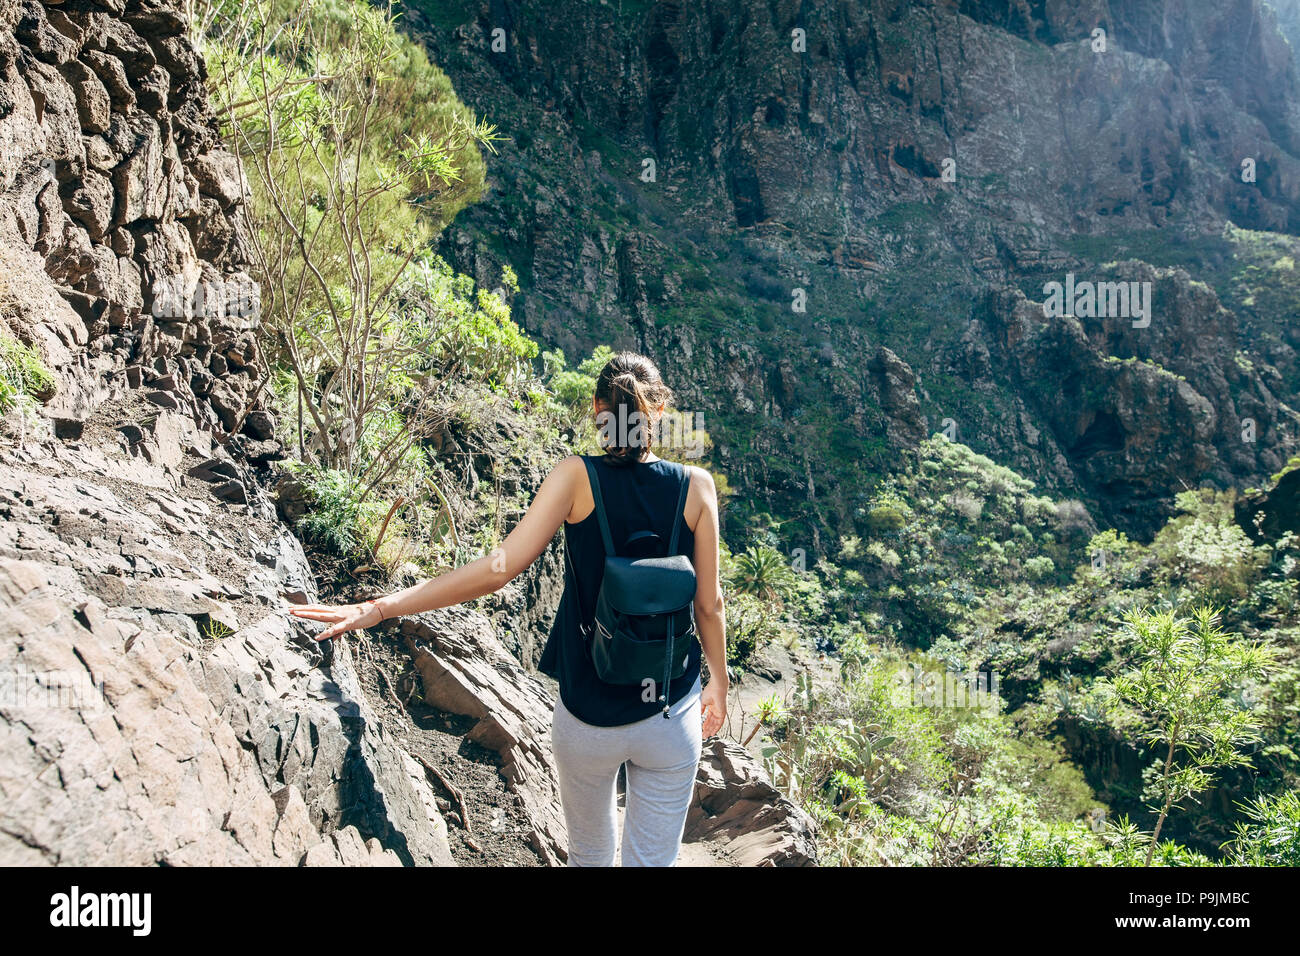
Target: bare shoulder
(566,473)
(702,485)
(569,467)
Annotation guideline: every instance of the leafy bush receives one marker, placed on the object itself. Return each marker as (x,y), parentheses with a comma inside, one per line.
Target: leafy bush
(337,510)
(1204,549)
(1271,835)
(1039,566)
(749,626)
(356,151)
(23,375)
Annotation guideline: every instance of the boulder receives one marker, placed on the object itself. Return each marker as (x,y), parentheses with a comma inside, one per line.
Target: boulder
(464,669)
(737,807)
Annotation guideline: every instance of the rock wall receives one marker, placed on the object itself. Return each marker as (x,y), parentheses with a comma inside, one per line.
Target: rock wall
(121,240)
(748,128)
(823,169)
(1267,515)
(157,704)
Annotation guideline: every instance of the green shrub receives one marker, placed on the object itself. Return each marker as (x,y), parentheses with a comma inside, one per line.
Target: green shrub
(1271,836)
(23,375)
(1039,567)
(1205,549)
(1186,670)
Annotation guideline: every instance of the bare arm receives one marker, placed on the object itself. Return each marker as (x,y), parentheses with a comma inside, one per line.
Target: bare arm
(493,571)
(552,504)
(710,617)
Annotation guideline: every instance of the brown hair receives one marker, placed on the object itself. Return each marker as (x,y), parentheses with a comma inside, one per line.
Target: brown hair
(629,385)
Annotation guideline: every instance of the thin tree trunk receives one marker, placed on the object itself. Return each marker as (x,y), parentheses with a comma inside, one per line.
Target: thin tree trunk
(1164,811)
(379,538)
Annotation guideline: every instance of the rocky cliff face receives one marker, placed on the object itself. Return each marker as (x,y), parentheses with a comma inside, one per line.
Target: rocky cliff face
(684,178)
(1131,412)
(119,217)
(155,693)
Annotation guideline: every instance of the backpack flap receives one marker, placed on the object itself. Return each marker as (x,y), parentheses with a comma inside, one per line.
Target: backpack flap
(649,585)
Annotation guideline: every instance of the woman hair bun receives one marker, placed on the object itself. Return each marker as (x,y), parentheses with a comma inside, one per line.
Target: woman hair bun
(631,390)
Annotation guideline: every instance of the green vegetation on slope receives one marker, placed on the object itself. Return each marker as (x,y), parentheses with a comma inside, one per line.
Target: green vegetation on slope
(1062,756)
(357,152)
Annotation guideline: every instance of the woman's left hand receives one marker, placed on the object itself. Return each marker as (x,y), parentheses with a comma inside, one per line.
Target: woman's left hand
(344,617)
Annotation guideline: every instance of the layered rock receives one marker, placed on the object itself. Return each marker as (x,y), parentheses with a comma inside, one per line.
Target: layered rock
(120,213)
(737,807)
(464,670)
(1132,414)
(159,705)
(176,713)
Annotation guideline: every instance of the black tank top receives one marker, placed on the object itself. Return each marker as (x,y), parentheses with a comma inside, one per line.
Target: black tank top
(640,496)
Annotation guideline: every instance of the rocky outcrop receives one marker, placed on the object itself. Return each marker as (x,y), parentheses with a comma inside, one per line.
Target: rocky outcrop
(737,807)
(1133,414)
(464,669)
(155,691)
(121,234)
(895,389)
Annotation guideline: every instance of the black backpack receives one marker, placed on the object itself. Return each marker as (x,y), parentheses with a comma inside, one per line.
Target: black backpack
(645,607)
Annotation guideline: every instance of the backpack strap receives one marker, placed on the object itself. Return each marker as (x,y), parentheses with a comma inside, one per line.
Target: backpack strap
(600,506)
(681,504)
(583,627)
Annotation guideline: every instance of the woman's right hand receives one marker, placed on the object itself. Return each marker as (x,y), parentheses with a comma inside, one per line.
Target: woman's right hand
(713,707)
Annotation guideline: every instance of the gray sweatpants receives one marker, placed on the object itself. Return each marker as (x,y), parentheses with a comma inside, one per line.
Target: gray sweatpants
(661,757)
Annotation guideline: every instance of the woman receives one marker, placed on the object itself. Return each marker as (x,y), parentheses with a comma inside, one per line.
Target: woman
(598,727)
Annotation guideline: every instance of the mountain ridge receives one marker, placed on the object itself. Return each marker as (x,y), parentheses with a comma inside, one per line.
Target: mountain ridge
(822,171)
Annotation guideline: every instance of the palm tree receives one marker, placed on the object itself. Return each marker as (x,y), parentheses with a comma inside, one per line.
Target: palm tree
(762,571)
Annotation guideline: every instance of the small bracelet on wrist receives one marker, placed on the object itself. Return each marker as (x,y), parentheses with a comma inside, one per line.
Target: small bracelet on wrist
(375,605)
